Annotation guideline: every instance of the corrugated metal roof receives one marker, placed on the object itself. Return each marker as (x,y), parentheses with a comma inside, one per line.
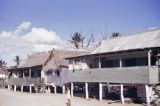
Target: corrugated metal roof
(142,40)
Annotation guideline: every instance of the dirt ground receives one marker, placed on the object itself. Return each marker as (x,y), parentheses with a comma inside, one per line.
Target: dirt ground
(11,98)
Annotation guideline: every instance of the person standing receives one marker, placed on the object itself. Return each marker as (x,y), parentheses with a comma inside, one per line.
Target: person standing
(68,93)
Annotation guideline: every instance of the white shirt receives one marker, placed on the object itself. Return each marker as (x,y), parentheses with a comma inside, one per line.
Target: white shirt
(68,94)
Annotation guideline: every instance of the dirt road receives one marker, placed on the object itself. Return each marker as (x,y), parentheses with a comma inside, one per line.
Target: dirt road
(11,98)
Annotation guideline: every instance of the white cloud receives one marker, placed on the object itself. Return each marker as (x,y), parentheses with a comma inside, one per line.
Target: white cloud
(23,42)
(22,27)
(42,36)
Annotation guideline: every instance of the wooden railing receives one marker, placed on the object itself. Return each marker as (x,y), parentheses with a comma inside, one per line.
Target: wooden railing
(25,81)
(54,79)
(139,75)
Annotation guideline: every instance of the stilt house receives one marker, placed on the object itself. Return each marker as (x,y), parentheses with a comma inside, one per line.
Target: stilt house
(130,63)
(42,72)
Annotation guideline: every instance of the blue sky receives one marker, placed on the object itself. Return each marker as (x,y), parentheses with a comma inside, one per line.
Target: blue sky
(68,16)
(56,20)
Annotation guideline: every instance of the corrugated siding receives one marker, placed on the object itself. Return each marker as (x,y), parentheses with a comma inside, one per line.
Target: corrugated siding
(154,75)
(59,80)
(25,81)
(139,75)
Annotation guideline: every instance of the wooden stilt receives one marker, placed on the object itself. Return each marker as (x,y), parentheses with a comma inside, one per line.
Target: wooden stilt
(72,87)
(63,89)
(108,87)
(9,88)
(121,93)
(147,95)
(49,89)
(55,89)
(15,87)
(22,88)
(30,89)
(100,91)
(86,90)
(149,58)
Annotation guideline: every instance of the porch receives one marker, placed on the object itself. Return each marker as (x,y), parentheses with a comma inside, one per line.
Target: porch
(134,75)
(25,81)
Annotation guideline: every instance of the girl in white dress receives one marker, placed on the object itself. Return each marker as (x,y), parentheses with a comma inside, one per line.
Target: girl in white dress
(68,96)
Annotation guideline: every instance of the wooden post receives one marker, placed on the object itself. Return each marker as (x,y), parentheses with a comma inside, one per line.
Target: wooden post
(72,87)
(22,88)
(30,72)
(55,89)
(120,62)
(86,90)
(63,89)
(49,89)
(30,88)
(15,87)
(73,64)
(147,95)
(121,93)
(108,87)
(23,73)
(149,58)
(100,91)
(9,88)
(99,63)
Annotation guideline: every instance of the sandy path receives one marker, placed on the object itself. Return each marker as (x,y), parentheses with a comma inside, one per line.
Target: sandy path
(10,98)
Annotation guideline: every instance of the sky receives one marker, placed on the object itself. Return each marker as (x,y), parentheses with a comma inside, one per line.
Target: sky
(45,24)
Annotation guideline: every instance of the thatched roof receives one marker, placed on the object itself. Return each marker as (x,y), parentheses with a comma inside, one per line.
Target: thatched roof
(57,59)
(35,59)
(50,60)
(2,69)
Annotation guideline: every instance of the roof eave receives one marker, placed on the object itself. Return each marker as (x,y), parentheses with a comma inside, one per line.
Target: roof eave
(113,52)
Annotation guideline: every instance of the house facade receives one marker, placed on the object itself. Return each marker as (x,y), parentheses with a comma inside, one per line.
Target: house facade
(42,72)
(2,76)
(126,63)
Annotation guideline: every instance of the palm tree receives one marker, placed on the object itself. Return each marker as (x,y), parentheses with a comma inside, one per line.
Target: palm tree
(17,60)
(116,34)
(77,40)
(2,63)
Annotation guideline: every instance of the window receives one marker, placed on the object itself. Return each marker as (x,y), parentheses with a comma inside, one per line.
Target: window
(96,61)
(129,62)
(70,61)
(110,63)
(90,65)
(77,62)
(26,72)
(49,72)
(153,60)
(57,73)
(143,61)
(83,60)
(103,62)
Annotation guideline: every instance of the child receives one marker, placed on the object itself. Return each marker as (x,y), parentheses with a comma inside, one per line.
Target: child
(68,96)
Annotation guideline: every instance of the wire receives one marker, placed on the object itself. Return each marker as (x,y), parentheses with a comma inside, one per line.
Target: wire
(21,29)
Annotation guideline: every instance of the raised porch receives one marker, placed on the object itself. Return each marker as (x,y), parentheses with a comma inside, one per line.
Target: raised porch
(135,75)
(25,81)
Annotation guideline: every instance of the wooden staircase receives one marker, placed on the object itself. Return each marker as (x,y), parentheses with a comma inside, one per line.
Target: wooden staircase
(40,88)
